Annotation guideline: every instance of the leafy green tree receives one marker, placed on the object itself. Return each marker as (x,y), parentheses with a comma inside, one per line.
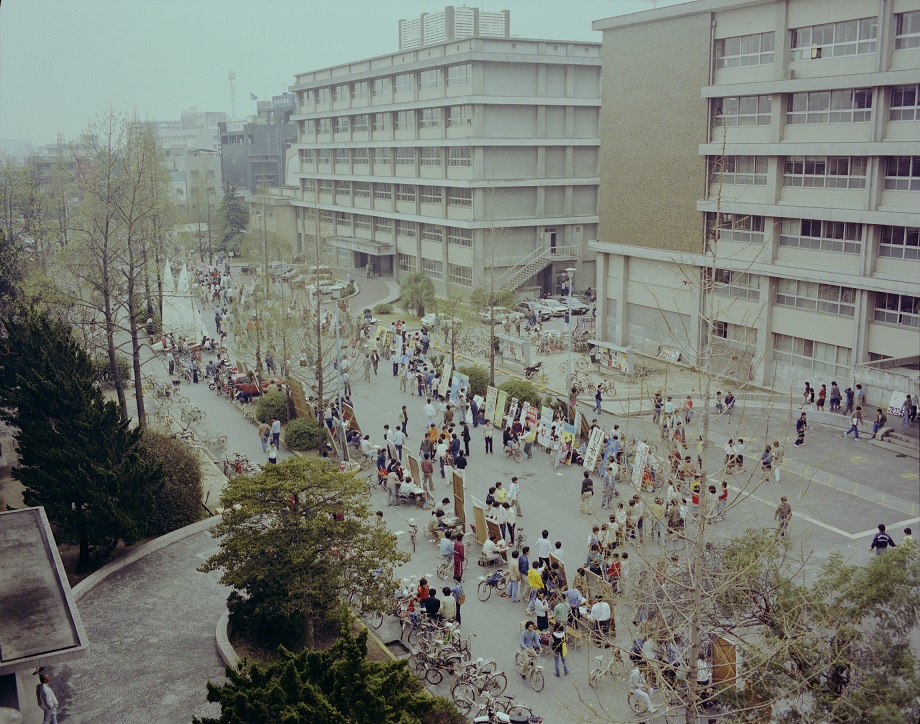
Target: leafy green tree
(416,293)
(523,390)
(234,218)
(11,268)
(479,378)
(490,298)
(78,459)
(178,502)
(335,686)
(292,538)
(304,433)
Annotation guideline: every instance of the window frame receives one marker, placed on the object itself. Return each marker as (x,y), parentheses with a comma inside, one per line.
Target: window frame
(796,172)
(816,296)
(433,268)
(756,175)
(904,313)
(895,179)
(842,237)
(426,195)
(384,83)
(743,115)
(459,74)
(903,239)
(429,118)
(457,274)
(406,156)
(826,107)
(459,236)
(738,51)
(430,156)
(459,156)
(907,38)
(739,228)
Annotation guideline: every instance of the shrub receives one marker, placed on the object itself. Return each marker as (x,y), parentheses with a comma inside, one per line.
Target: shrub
(272,406)
(383,309)
(179,501)
(349,290)
(523,390)
(104,371)
(303,433)
(479,378)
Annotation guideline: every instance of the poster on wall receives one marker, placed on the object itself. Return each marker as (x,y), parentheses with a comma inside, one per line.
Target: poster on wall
(595,443)
(532,416)
(514,348)
(497,418)
(491,399)
(458,382)
(894,404)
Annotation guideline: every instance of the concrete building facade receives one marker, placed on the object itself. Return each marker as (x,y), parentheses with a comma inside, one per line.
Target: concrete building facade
(465,161)
(453,23)
(776,142)
(195,130)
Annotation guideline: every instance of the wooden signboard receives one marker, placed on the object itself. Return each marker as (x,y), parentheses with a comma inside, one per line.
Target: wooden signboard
(415,471)
(553,559)
(598,588)
(459,497)
(724,660)
(299,398)
(479,520)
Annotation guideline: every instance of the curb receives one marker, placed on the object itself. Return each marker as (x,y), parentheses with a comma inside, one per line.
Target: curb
(222,638)
(94,579)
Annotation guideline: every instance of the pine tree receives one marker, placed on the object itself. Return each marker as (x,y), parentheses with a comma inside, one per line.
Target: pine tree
(234,218)
(78,458)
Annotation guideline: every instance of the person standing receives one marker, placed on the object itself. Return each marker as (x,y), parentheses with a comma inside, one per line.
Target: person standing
(882,541)
(598,410)
(587,492)
(487,436)
(276,432)
(459,596)
(559,648)
(428,412)
(776,459)
(265,434)
(543,547)
(783,514)
(427,471)
(855,422)
(801,425)
(273,453)
(459,558)
(849,394)
(171,362)
(906,408)
(657,404)
(688,409)
(514,578)
(465,436)
(46,699)
(822,395)
(514,496)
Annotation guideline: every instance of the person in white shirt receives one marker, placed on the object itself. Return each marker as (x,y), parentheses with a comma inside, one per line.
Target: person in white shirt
(446,548)
(428,412)
(514,497)
(399,439)
(439,453)
(47,700)
(543,547)
(600,614)
(490,551)
(637,686)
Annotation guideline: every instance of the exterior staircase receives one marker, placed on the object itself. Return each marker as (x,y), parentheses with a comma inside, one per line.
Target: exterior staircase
(534,263)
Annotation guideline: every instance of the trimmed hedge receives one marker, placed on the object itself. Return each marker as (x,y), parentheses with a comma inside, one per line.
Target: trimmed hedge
(272,406)
(479,378)
(178,503)
(383,309)
(303,434)
(523,390)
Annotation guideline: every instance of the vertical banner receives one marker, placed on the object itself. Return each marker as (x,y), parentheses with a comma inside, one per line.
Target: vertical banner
(491,398)
(577,425)
(639,464)
(458,382)
(546,424)
(497,418)
(595,443)
(444,384)
(525,408)
(513,409)
(415,471)
(568,436)
(532,416)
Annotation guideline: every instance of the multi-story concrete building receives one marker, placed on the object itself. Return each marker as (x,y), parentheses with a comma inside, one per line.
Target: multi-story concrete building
(777,142)
(453,23)
(195,130)
(460,160)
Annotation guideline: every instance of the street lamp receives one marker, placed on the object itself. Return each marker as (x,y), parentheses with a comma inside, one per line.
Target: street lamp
(338,374)
(568,321)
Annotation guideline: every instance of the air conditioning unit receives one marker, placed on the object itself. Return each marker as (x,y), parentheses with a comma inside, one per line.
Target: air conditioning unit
(788,75)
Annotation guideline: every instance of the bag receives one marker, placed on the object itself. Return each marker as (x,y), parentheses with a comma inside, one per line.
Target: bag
(565,649)
(461,599)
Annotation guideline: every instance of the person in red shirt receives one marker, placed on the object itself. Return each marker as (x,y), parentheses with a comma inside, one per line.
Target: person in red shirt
(422,591)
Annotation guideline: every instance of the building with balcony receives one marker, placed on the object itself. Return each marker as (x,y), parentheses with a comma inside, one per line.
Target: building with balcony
(467,160)
(777,143)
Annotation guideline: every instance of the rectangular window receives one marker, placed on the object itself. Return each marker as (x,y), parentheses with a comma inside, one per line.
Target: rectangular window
(429,118)
(309,127)
(322,95)
(343,188)
(430,232)
(840,106)
(361,190)
(902,173)
(430,156)
(407,228)
(405,262)
(460,197)
(405,192)
(341,93)
(327,217)
(307,156)
(360,89)
(833,40)
(907,30)
(383,156)
(383,192)
(811,355)
(405,156)
(459,237)
(404,82)
(324,156)
(383,121)
(341,155)
(325,125)
(902,310)
(360,156)
(460,74)
(405,120)
(429,79)
(383,227)
(342,222)
(359,123)
(382,87)
(457,156)
(905,103)
(741,111)
(460,116)
(818,297)
(741,170)
(819,172)
(326,187)
(899,242)
(839,236)
(744,50)
(434,269)
(735,227)
(362,222)
(431,195)
(736,284)
(462,275)
(341,124)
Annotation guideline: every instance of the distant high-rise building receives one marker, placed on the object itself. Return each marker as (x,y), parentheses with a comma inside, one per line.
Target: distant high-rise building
(453,23)
(195,130)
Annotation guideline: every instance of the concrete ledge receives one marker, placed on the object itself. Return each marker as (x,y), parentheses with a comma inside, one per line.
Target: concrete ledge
(222,637)
(93,580)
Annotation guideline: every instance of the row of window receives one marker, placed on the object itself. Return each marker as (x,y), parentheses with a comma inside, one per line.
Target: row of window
(452,75)
(343,223)
(902,173)
(827,40)
(895,242)
(812,355)
(425,156)
(460,116)
(817,107)
(456,273)
(461,197)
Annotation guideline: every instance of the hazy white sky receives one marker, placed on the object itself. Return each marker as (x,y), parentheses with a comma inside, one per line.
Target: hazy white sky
(63,61)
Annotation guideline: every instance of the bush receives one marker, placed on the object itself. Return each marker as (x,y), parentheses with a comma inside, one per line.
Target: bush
(304,434)
(104,371)
(479,378)
(523,390)
(272,406)
(179,501)
(383,309)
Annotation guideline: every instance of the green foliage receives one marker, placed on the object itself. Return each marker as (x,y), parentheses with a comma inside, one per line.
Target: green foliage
(349,290)
(11,271)
(481,297)
(479,378)
(287,556)
(416,292)
(335,686)
(272,406)
(233,219)
(383,309)
(77,457)
(303,434)
(103,370)
(178,502)
(523,390)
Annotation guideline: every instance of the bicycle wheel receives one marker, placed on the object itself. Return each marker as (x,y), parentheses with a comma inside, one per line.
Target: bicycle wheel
(502,583)
(412,638)
(184,401)
(518,455)
(221,440)
(484,591)
(536,680)
(594,678)
(433,675)
(376,619)
(496,684)
(464,697)
(635,703)
(520,710)
(444,570)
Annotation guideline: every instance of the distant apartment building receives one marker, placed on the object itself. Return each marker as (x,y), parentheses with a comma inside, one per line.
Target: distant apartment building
(778,141)
(252,153)
(454,22)
(194,130)
(196,180)
(468,161)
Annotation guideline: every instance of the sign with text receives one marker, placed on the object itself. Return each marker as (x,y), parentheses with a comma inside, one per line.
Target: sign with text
(639,464)
(491,399)
(595,443)
(500,402)
(515,348)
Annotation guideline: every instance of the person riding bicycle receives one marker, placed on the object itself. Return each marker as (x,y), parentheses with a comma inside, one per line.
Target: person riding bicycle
(529,647)
(638,686)
(446,548)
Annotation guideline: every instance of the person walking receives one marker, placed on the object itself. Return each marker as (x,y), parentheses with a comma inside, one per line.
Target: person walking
(776,460)
(598,410)
(882,541)
(834,398)
(367,368)
(587,492)
(428,412)
(783,514)
(849,394)
(265,434)
(46,699)
(906,408)
(855,422)
(459,596)
(427,467)
(276,432)
(801,425)
(688,409)
(272,453)
(559,648)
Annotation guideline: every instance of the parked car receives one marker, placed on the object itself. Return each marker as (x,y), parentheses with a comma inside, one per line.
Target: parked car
(557,308)
(499,315)
(444,322)
(537,308)
(241,382)
(279,268)
(326,287)
(578,306)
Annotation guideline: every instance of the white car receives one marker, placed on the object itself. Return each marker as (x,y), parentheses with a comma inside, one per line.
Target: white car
(499,315)
(537,308)
(443,321)
(326,287)
(578,306)
(555,307)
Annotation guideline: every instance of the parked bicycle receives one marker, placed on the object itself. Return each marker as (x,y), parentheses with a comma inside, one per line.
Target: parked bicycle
(474,682)
(192,415)
(495,582)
